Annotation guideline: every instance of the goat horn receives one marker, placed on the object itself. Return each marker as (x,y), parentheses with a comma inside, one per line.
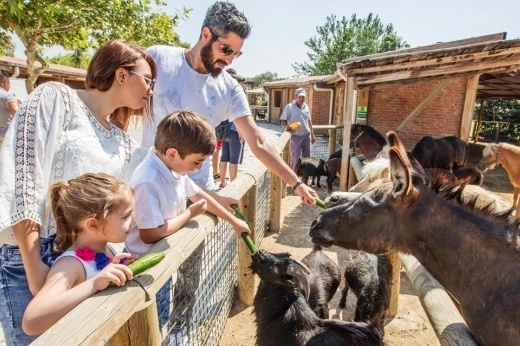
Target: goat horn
(300,272)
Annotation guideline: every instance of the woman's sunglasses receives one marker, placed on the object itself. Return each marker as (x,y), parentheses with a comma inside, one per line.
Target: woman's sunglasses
(225,49)
(149,81)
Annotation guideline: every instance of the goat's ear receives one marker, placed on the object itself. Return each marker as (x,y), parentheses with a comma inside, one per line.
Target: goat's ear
(400,173)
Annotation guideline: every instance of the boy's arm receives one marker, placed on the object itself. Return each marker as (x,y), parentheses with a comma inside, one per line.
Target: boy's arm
(170,226)
(215,208)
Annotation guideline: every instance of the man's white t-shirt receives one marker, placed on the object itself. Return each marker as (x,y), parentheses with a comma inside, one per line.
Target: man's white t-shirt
(179,87)
(160,194)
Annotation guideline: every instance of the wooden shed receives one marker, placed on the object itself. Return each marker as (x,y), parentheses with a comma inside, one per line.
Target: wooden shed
(72,76)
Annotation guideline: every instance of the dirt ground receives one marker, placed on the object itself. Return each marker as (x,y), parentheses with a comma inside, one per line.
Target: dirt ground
(409,327)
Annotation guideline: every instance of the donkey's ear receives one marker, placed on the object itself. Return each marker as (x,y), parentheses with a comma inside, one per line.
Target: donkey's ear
(400,173)
(394,141)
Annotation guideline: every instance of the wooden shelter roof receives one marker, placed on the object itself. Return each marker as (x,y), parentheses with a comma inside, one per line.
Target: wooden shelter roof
(8,63)
(498,63)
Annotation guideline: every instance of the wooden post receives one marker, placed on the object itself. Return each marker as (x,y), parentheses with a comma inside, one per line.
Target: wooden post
(332,141)
(497,133)
(396,283)
(142,329)
(469,107)
(479,123)
(348,114)
(286,156)
(247,281)
(275,202)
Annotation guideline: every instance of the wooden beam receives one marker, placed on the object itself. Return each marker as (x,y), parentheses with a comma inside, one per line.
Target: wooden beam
(424,103)
(396,283)
(452,44)
(469,107)
(348,113)
(434,62)
(467,67)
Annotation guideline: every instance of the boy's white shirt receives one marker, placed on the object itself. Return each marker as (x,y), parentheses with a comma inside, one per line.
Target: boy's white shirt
(160,194)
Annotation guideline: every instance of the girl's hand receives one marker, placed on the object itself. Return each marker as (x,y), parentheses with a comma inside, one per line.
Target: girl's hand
(226,203)
(198,207)
(240,227)
(113,272)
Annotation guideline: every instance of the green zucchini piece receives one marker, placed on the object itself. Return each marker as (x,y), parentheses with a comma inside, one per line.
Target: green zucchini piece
(247,239)
(146,262)
(320,203)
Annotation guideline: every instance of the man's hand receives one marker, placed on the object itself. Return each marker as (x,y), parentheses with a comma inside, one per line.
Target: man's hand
(307,194)
(313,139)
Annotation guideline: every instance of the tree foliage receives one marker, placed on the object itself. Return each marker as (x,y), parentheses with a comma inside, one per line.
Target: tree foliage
(7,47)
(264,77)
(77,58)
(83,24)
(501,110)
(342,39)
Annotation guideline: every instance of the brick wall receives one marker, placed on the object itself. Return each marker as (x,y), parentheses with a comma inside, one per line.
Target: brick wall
(319,104)
(389,105)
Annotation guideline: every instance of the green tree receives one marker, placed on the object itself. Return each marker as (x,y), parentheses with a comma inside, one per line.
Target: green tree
(7,47)
(80,25)
(77,58)
(264,77)
(342,39)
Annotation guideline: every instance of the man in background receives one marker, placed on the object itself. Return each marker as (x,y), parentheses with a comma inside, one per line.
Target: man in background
(302,135)
(8,105)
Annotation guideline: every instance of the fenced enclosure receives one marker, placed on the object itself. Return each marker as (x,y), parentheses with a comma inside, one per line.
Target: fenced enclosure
(328,142)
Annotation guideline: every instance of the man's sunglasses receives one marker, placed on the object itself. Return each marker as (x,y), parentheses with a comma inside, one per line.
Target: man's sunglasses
(225,49)
(149,81)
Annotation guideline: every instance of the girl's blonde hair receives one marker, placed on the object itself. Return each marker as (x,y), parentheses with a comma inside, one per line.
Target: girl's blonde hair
(95,195)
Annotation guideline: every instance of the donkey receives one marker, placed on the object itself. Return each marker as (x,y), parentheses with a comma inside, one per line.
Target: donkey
(475,255)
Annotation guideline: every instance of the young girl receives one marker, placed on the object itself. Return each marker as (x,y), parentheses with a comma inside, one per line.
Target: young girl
(90,211)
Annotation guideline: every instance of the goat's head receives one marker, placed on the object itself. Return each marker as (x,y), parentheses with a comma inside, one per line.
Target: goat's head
(281,269)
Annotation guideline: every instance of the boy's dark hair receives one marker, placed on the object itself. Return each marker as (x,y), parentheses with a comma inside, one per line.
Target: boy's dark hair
(223,17)
(186,131)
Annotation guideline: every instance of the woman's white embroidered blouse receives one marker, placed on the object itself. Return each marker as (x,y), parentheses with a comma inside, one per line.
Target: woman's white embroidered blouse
(55,136)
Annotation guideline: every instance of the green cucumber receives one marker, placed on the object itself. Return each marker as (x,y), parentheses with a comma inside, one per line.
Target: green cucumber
(143,263)
(320,203)
(247,239)
(146,262)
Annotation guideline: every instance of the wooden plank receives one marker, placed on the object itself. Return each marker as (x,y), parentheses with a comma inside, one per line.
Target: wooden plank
(471,67)
(142,329)
(349,112)
(396,283)
(434,62)
(247,281)
(332,141)
(448,324)
(469,107)
(286,156)
(275,203)
(452,44)
(426,101)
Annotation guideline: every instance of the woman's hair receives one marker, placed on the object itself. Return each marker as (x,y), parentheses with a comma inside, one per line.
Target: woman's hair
(108,58)
(95,195)
(186,131)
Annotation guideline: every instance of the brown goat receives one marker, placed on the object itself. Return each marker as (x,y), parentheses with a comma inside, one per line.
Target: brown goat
(333,169)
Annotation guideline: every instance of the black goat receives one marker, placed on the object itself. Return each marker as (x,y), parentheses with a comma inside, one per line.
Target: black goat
(336,155)
(283,316)
(369,277)
(309,167)
(324,279)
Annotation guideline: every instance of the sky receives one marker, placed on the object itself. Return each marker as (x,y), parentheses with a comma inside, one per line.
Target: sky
(280,27)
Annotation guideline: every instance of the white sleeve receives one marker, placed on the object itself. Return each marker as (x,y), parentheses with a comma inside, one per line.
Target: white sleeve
(28,154)
(191,188)
(147,211)
(239,106)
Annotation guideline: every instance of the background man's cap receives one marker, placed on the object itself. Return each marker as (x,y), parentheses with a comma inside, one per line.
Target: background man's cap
(301,92)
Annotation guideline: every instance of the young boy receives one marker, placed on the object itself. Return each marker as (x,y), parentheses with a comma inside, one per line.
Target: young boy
(161,186)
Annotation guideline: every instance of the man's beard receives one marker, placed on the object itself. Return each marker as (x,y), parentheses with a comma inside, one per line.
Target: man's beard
(206,55)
